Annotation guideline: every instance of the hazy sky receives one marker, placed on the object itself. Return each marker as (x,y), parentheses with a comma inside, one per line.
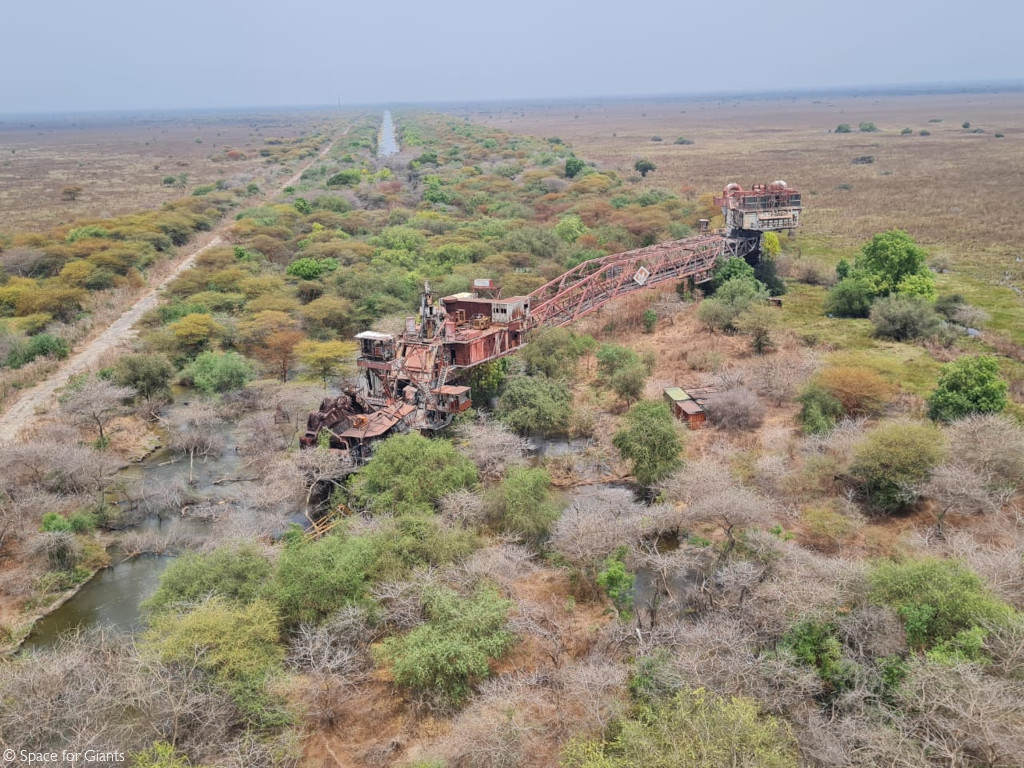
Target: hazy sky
(61,55)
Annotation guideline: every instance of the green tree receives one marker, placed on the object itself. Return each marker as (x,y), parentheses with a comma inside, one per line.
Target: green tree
(447,655)
(522,503)
(767,272)
(311,269)
(556,352)
(819,410)
(758,322)
(410,473)
(612,358)
(643,167)
(618,583)
(968,385)
(694,729)
(732,269)
(237,573)
(534,406)
(650,320)
(238,645)
(147,374)
(219,372)
(851,297)
(843,128)
(892,460)
(937,599)
(629,382)
(326,359)
(649,440)
(921,286)
(573,167)
(315,579)
(770,245)
(570,228)
(889,258)
(486,380)
(302,206)
(346,178)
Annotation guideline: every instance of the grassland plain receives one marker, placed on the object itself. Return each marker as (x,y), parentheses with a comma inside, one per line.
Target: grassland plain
(120,161)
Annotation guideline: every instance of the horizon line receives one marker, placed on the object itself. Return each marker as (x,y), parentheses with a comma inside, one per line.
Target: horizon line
(890,89)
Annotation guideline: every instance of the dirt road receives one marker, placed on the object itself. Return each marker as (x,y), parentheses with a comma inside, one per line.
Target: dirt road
(20,415)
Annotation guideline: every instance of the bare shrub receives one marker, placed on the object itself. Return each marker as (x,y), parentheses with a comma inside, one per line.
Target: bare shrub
(971,317)
(1002,567)
(736,410)
(713,497)
(872,631)
(594,525)
(519,720)
(402,602)
(813,272)
(463,507)
(958,489)
(963,716)
(193,433)
(94,403)
(94,690)
(779,378)
(992,445)
(491,446)
(336,658)
(503,564)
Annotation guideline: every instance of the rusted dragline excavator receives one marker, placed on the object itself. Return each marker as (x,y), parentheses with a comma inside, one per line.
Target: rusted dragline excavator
(409,380)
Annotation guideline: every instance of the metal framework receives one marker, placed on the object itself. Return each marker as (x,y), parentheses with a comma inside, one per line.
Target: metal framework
(406,379)
(594,283)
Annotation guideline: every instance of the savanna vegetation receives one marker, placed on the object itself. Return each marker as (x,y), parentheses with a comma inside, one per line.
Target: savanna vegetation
(829,574)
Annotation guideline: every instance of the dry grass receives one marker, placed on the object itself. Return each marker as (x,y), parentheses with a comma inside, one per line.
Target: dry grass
(953,190)
(120,162)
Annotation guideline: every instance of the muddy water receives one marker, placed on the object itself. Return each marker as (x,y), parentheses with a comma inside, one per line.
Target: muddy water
(110,599)
(113,596)
(387,141)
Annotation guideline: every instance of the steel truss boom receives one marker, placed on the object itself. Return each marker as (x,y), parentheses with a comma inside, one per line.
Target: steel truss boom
(596,282)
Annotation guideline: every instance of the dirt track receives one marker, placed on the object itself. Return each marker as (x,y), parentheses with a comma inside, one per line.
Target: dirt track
(19,416)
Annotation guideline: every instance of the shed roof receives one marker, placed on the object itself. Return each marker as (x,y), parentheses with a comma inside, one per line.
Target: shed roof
(375,335)
(690,407)
(676,393)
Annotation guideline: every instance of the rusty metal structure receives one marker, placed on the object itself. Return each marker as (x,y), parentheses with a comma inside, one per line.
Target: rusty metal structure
(409,381)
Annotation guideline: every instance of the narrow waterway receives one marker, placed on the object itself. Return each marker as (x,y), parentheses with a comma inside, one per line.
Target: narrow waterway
(111,599)
(219,489)
(387,140)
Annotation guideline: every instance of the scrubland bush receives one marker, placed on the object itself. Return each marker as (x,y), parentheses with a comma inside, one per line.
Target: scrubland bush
(892,460)
(694,729)
(442,659)
(522,503)
(903,318)
(532,405)
(410,473)
(649,440)
(736,409)
(861,391)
